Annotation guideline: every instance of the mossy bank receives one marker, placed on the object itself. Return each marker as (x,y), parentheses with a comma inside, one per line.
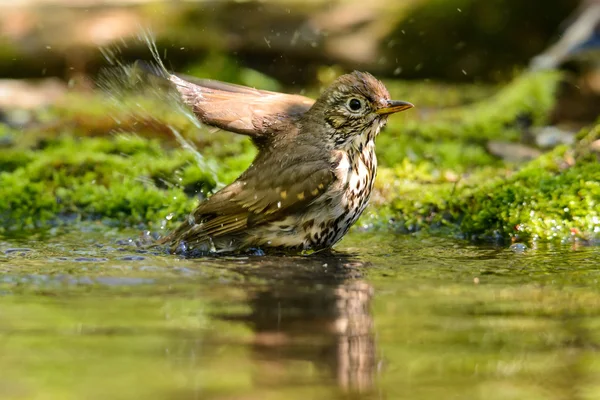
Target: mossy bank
(86,159)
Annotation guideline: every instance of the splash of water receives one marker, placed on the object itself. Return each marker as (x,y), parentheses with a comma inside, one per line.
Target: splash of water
(120,81)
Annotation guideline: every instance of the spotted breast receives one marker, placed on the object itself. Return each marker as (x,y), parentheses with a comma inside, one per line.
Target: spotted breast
(333,213)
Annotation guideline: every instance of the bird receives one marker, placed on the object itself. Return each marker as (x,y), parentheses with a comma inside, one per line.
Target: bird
(313,173)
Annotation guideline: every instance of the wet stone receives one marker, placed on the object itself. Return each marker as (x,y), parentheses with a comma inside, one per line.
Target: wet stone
(132,258)
(185,271)
(122,281)
(125,242)
(518,247)
(17,250)
(150,268)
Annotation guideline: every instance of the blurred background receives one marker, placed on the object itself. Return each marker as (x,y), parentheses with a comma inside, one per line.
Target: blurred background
(294,45)
(454,40)
(472,274)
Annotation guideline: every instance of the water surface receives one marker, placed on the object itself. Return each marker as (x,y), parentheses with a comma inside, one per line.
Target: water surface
(86,314)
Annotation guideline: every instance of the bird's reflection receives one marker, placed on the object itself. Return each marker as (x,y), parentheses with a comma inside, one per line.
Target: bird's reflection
(314,309)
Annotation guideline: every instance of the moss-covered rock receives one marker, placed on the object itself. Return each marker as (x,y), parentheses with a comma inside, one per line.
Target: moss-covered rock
(555,197)
(439,175)
(456,137)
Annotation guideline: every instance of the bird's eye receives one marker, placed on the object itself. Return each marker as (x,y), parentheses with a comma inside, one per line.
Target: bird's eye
(355,104)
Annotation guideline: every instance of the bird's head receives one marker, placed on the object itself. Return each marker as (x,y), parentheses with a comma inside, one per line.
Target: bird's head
(355,106)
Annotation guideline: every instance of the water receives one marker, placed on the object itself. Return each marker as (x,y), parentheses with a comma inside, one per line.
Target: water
(85,314)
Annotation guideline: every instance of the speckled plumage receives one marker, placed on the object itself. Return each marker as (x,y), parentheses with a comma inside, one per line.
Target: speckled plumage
(314,172)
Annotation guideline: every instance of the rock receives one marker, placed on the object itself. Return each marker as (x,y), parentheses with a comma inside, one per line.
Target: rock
(512,152)
(22,94)
(548,137)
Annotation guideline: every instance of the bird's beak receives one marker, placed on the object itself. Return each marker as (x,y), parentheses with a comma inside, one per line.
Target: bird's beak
(394,106)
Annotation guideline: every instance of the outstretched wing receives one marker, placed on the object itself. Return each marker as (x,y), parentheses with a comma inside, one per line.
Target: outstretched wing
(240,109)
(253,200)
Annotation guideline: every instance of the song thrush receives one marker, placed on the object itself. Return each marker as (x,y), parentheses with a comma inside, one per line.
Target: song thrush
(314,172)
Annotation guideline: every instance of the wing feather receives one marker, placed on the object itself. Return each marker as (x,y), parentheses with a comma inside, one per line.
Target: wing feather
(240,109)
(244,205)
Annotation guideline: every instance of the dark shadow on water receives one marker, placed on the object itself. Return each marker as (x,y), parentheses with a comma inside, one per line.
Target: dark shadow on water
(314,309)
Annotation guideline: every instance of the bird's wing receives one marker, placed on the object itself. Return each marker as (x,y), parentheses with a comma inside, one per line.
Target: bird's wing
(240,109)
(252,199)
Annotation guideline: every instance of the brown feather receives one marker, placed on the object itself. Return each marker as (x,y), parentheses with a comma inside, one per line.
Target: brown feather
(251,200)
(252,112)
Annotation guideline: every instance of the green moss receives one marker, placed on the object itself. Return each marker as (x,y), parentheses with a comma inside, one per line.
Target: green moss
(125,179)
(431,94)
(436,171)
(415,197)
(11,159)
(554,197)
(456,138)
(431,160)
